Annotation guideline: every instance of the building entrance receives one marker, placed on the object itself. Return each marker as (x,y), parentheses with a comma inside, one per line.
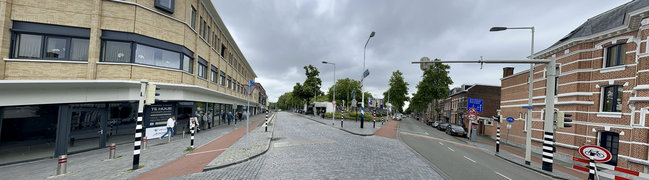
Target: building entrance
(87,127)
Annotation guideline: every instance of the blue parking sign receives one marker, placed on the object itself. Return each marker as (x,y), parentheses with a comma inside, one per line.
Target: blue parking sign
(474,103)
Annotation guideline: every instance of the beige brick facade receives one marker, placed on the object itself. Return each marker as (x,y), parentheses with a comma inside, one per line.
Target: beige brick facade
(133,16)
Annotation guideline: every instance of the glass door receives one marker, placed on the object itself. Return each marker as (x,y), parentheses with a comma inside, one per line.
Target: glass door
(86,129)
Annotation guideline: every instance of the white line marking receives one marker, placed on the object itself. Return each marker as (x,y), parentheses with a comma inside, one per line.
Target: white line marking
(503,175)
(207,151)
(450,149)
(426,133)
(470,159)
(441,143)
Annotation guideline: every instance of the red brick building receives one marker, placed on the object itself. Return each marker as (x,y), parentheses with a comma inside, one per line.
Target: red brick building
(455,106)
(603,80)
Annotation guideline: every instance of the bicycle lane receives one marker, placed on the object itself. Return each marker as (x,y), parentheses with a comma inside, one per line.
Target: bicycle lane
(197,160)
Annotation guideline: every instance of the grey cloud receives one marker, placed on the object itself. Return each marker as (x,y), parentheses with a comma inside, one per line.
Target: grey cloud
(279,37)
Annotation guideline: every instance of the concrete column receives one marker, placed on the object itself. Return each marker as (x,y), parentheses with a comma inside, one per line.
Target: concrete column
(95,40)
(63,130)
(5,34)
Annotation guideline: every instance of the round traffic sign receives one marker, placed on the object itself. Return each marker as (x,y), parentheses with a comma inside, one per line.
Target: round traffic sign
(472,117)
(599,154)
(510,119)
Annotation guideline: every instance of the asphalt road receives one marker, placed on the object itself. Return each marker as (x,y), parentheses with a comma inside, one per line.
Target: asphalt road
(456,159)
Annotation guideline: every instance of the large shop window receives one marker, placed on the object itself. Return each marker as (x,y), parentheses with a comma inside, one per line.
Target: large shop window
(615,55)
(52,42)
(612,99)
(123,47)
(157,57)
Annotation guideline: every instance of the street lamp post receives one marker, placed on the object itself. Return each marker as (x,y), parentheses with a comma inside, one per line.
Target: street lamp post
(334,98)
(363,78)
(528,117)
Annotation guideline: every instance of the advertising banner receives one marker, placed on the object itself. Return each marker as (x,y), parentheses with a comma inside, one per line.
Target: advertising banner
(160,113)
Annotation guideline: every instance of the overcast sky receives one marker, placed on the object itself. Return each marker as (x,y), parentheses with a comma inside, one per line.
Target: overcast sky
(279,37)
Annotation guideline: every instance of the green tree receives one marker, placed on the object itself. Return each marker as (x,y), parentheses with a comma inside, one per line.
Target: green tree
(344,88)
(311,86)
(433,86)
(397,94)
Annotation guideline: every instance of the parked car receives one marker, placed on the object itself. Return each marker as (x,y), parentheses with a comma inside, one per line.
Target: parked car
(455,130)
(435,124)
(398,117)
(429,122)
(442,126)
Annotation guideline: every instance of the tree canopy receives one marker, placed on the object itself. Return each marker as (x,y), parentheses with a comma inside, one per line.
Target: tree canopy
(434,85)
(397,94)
(311,86)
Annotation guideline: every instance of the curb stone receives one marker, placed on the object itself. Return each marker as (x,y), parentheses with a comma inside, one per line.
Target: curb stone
(208,168)
(348,131)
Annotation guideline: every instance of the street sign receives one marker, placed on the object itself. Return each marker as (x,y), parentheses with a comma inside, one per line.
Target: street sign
(366,73)
(510,119)
(472,111)
(509,126)
(334,102)
(474,103)
(353,102)
(528,107)
(472,117)
(599,154)
(252,83)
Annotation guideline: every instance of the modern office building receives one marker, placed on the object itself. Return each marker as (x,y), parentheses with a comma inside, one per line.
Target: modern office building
(603,81)
(71,70)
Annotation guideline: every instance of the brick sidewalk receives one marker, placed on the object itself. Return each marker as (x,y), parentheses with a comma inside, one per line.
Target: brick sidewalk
(389,130)
(519,153)
(199,158)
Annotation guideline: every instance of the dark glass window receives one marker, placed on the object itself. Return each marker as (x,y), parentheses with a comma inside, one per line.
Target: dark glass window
(193,18)
(222,78)
(115,51)
(610,141)
(207,36)
(214,75)
(200,31)
(201,72)
(56,48)
(612,99)
(28,46)
(165,5)
(229,82)
(615,55)
(188,64)
(157,57)
(79,49)
(223,50)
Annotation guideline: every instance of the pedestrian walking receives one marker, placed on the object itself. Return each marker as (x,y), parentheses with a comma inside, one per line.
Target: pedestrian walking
(171,122)
(208,118)
(229,117)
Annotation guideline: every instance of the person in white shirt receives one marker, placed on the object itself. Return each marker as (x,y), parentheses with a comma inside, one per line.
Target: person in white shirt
(193,122)
(171,122)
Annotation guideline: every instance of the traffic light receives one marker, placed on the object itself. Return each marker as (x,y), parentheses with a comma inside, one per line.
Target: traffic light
(562,120)
(151,94)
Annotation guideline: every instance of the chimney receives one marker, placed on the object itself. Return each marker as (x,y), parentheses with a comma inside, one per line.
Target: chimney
(508,71)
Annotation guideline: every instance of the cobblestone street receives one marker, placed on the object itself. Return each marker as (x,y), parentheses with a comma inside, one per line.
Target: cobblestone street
(303,149)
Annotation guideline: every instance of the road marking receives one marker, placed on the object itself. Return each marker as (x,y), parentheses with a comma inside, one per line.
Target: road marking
(450,149)
(438,139)
(441,143)
(207,151)
(470,159)
(297,143)
(503,175)
(426,133)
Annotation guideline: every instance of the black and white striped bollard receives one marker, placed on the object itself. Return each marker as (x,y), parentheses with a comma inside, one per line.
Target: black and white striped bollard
(266,123)
(138,127)
(192,130)
(342,118)
(591,171)
(548,150)
(497,137)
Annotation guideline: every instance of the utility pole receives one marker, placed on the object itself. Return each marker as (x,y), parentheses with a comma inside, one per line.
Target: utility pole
(548,123)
